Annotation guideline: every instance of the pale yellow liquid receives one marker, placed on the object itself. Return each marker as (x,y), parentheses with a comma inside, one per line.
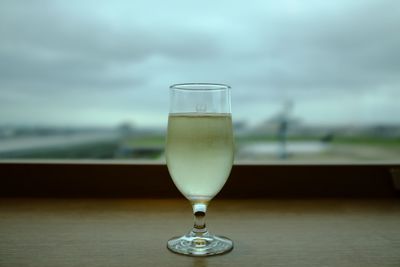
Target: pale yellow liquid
(199,153)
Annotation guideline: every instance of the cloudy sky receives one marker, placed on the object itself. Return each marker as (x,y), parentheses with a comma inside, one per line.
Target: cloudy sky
(105,62)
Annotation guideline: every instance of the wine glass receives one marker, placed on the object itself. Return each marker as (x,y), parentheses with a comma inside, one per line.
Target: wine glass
(199,154)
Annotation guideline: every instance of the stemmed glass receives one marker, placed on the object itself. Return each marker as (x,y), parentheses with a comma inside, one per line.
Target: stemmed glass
(199,153)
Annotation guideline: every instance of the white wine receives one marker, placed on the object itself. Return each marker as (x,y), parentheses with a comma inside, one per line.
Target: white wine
(199,153)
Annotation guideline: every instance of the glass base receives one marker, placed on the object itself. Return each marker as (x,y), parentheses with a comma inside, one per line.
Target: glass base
(205,245)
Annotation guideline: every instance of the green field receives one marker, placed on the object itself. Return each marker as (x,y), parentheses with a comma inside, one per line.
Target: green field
(151,147)
(98,150)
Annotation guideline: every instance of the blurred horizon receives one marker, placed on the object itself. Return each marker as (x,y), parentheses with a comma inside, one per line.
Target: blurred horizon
(310,79)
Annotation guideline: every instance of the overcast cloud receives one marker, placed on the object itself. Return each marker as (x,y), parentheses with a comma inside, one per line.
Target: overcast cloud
(105,62)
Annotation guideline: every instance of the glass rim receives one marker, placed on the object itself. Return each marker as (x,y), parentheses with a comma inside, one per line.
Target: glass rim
(200,86)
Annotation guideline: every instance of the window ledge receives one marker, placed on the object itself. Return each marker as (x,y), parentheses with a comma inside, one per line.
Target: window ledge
(151,179)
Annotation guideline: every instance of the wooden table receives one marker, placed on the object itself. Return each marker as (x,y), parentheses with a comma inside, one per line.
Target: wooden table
(133,232)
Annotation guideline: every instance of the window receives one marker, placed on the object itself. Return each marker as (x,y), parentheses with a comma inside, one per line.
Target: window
(312,81)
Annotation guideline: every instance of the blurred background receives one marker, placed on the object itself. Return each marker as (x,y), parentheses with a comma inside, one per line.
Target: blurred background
(312,81)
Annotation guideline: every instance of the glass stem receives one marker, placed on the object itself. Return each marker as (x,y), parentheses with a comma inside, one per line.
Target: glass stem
(199,212)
